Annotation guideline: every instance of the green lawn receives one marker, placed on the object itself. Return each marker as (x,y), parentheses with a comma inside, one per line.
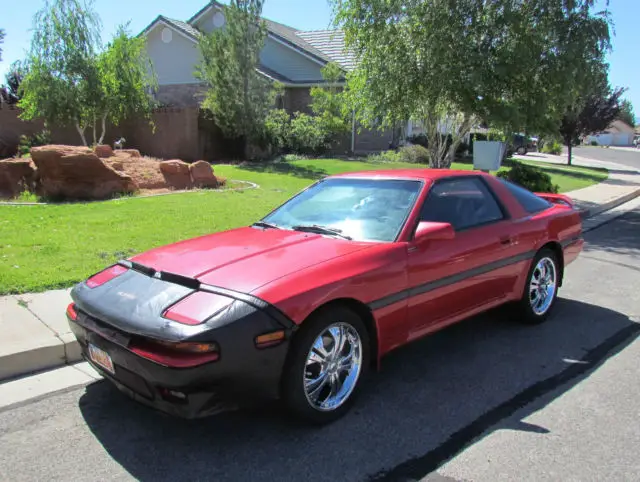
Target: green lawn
(46,247)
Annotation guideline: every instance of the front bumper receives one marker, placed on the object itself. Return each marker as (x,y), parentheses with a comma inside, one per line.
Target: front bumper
(243,374)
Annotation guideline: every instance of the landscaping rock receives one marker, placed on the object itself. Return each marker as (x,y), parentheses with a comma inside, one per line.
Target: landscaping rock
(127,152)
(70,172)
(103,150)
(202,175)
(176,174)
(16,176)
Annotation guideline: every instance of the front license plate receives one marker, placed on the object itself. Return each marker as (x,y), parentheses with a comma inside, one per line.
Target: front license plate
(102,358)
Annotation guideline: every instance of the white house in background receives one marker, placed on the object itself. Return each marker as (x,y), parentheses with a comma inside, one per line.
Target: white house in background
(619,133)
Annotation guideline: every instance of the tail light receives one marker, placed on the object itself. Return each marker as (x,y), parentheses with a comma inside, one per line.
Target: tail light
(175,354)
(106,275)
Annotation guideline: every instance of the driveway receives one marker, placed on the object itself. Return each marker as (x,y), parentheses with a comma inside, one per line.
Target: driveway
(626,157)
(485,400)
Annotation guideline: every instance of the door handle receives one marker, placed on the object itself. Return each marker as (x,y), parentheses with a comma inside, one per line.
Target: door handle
(506,240)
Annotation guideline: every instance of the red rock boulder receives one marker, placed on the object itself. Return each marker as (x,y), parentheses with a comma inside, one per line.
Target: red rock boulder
(70,172)
(202,175)
(103,150)
(176,174)
(16,176)
(127,152)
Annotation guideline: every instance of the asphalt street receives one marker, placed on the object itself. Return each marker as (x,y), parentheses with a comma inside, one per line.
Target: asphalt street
(626,157)
(486,400)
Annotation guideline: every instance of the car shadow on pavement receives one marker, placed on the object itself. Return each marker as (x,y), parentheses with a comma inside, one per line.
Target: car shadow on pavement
(621,237)
(430,400)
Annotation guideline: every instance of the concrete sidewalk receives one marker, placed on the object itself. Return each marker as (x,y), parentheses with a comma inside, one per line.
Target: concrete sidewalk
(35,335)
(622,185)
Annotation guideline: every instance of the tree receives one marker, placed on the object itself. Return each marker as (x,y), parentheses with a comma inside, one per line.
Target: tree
(238,97)
(328,103)
(63,77)
(2,35)
(10,91)
(598,110)
(127,82)
(71,80)
(626,113)
(451,64)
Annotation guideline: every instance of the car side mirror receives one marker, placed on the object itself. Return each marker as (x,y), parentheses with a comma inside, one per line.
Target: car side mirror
(432,231)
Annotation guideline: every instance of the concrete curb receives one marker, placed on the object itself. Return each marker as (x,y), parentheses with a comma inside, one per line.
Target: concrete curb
(587,213)
(60,348)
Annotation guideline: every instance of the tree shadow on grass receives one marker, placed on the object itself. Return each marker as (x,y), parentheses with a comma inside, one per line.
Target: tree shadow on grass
(283,167)
(431,399)
(583,172)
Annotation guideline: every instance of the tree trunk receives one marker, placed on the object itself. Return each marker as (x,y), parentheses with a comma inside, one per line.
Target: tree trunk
(94,130)
(569,147)
(104,128)
(81,132)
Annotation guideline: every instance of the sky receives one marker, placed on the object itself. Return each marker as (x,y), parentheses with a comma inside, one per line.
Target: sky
(303,15)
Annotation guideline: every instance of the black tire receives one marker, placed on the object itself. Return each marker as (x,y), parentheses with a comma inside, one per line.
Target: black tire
(525,310)
(293,389)
(521,151)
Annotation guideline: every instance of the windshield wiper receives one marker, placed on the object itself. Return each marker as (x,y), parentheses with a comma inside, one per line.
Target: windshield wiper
(316,228)
(264,224)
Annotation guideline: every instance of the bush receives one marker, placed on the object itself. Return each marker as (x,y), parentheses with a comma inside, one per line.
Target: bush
(385,156)
(529,177)
(307,135)
(594,143)
(25,144)
(421,140)
(415,153)
(277,128)
(552,147)
(301,134)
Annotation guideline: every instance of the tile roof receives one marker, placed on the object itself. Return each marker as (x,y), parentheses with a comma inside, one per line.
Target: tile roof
(290,35)
(186,28)
(331,44)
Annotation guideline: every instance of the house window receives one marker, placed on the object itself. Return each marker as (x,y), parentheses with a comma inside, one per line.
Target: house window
(218,19)
(166,35)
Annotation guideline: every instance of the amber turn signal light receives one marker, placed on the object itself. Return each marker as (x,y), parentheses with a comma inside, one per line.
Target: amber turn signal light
(270,339)
(71,312)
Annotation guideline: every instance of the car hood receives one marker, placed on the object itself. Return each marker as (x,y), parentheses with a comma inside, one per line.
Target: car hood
(247,258)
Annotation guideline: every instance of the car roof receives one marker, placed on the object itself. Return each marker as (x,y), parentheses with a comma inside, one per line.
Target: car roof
(422,174)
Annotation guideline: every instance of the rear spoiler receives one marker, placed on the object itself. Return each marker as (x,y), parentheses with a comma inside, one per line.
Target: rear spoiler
(556,198)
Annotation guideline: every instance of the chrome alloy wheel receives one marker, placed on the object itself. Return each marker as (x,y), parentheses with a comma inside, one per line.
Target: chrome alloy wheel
(333,366)
(542,287)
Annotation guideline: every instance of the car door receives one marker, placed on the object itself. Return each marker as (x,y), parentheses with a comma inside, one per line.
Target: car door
(449,278)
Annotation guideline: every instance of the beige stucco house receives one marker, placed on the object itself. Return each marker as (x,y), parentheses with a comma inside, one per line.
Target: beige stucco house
(293,57)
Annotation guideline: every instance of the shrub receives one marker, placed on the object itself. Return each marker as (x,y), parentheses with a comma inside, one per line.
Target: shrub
(529,177)
(552,147)
(41,138)
(594,143)
(301,134)
(421,140)
(277,127)
(307,135)
(385,156)
(414,153)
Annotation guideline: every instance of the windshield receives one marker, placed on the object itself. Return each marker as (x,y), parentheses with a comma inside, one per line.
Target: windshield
(362,209)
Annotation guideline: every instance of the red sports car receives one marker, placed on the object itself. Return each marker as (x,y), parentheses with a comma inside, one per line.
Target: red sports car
(300,305)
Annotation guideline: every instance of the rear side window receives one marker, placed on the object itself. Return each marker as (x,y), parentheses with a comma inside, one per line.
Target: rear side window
(464,202)
(529,201)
